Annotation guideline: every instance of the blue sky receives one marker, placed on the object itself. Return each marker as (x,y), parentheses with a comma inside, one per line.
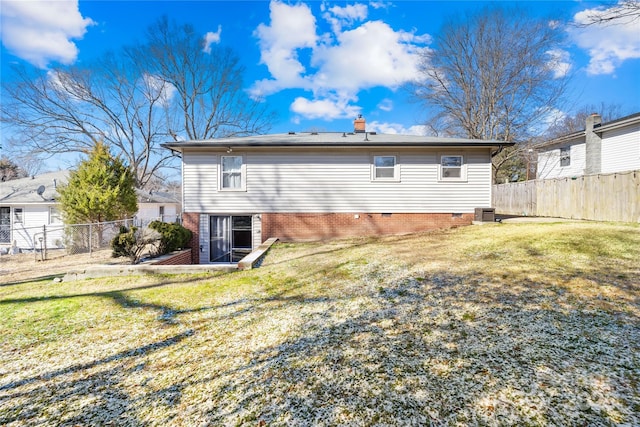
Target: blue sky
(321,63)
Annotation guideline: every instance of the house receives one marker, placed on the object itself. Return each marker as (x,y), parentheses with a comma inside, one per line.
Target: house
(238,192)
(600,148)
(156,205)
(29,211)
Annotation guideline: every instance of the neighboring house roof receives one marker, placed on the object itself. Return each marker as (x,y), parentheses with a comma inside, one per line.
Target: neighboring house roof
(43,189)
(32,189)
(603,127)
(335,140)
(155,197)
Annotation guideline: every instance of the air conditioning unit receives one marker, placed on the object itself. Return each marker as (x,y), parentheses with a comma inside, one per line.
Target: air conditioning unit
(485,215)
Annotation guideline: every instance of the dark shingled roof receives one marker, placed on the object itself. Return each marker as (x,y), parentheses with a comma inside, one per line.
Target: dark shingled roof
(334,139)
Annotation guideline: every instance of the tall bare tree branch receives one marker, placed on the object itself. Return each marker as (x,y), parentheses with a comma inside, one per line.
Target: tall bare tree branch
(498,75)
(165,88)
(69,109)
(206,83)
(492,75)
(622,12)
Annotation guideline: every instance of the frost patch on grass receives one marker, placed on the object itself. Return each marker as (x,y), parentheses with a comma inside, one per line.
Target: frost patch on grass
(369,335)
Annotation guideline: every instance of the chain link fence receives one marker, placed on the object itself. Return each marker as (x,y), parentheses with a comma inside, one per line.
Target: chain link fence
(55,240)
(86,238)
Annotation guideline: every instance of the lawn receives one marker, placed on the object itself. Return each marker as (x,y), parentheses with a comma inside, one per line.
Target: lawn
(505,324)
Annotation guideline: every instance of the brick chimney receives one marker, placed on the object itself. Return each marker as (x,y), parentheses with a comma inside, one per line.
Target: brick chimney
(359,124)
(593,145)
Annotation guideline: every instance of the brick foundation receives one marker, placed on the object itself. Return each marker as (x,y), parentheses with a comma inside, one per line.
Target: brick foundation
(299,227)
(191,220)
(296,226)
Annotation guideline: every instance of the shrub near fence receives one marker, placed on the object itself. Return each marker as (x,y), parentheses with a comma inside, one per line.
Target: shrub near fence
(603,197)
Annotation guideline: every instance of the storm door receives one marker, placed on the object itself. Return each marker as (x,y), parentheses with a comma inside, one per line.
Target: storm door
(220,243)
(5,225)
(230,238)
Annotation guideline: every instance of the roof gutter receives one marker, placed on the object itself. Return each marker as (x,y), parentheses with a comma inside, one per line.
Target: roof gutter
(176,147)
(618,124)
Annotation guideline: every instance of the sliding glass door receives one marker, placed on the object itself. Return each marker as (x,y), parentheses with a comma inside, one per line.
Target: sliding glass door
(220,244)
(230,238)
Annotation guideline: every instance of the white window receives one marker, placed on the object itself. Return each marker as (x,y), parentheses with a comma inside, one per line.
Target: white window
(565,156)
(452,168)
(54,216)
(384,168)
(232,173)
(18,216)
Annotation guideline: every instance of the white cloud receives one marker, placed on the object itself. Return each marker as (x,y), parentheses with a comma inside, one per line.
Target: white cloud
(41,31)
(158,88)
(340,63)
(372,54)
(548,119)
(324,109)
(64,84)
(396,128)
(385,105)
(560,62)
(211,38)
(339,17)
(380,4)
(292,28)
(607,45)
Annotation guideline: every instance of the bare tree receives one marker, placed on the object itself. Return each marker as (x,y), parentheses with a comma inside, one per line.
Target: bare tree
(576,122)
(165,88)
(623,12)
(10,170)
(70,109)
(492,75)
(205,82)
(515,163)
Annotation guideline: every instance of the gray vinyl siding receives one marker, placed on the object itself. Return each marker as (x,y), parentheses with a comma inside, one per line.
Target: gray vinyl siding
(338,181)
(621,150)
(199,180)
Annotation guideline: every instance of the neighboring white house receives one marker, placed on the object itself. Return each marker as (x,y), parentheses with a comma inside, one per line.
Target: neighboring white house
(156,205)
(238,192)
(26,206)
(600,148)
(28,209)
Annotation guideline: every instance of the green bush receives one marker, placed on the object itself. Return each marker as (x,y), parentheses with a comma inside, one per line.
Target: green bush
(122,243)
(135,242)
(174,236)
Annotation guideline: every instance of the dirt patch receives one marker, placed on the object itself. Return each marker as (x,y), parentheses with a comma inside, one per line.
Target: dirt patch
(29,266)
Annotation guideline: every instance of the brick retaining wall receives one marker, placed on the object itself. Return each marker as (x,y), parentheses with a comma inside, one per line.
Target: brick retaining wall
(178,258)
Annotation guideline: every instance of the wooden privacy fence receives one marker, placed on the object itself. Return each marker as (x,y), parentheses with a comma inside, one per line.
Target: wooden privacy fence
(604,197)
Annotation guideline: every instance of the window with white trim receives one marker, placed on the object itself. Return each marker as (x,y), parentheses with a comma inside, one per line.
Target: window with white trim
(452,168)
(565,156)
(18,215)
(54,216)
(384,168)
(232,173)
